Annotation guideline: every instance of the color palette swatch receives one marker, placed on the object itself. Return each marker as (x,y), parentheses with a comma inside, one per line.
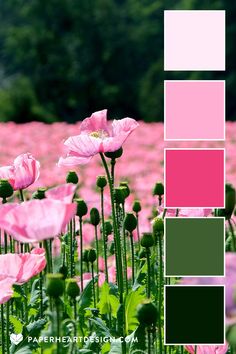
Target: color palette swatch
(194,178)
(194,40)
(194,315)
(194,110)
(194,246)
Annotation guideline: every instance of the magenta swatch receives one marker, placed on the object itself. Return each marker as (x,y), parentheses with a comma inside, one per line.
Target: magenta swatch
(194,178)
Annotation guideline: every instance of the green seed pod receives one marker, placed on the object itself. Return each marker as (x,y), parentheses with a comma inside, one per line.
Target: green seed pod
(230,198)
(85,256)
(6,189)
(130,222)
(72,288)
(147,240)
(147,313)
(94,216)
(158,189)
(63,270)
(137,206)
(92,255)
(55,285)
(108,227)
(39,194)
(101,181)
(126,186)
(119,195)
(157,225)
(115,154)
(82,208)
(72,177)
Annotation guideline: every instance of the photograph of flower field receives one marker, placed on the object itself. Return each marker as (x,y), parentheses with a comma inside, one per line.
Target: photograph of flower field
(82,190)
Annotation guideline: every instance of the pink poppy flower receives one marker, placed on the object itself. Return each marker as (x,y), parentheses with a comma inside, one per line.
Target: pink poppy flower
(23,172)
(22,267)
(64,193)
(6,290)
(96,136)
(208,349)
(36,220)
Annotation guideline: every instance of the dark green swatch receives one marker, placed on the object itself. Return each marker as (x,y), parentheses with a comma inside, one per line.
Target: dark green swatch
(194,314)
(194,247)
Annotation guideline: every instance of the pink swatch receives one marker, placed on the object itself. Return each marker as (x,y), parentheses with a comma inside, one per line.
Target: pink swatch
(194,40)
(194,178)
(194,110)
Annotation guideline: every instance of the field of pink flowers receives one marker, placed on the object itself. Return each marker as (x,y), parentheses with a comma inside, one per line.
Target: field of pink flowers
(86,259)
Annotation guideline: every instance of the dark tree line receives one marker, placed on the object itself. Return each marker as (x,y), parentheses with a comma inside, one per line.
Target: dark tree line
(63,59)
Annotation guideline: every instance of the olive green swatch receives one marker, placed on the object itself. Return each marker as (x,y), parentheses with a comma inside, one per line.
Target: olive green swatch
(194,247)
(194,314)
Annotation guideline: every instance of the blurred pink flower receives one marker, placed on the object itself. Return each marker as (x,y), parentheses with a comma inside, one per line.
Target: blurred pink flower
(6,290)
(64,193)
(208,349)
(36,220)
(23,172)
(21,267)
(95,137)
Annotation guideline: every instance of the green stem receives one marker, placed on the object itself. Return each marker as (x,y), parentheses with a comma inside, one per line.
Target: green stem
(2,328)
(94,296)
(160,290)
(113,163)
(57,303)
(21,195)
(97,252)
(138,232)
(132,255)
(5,243)
(125,252)
(46,247)
(104,236)
(81,252)
(116,237)
(149,341)
(71,249)
(232,235)
(7,327)
(148,273)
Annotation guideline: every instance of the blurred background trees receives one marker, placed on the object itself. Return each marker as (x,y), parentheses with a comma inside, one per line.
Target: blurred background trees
(64,59)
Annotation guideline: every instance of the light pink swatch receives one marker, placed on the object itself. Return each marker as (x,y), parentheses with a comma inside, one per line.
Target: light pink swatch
(194,178)
(194,110)
(194,40)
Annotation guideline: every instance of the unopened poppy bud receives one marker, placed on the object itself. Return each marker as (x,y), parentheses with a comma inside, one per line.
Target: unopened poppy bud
(147,313)
(101,182)
(85,256)
(108,228)
(119,195)
(147,240)
(130,222)
(115,154)
(158,189)
(126,186)
(92,255)
(82,208)
(6,189)
(63,270)
(94,216)
(72,177)
(55,285)
(229,200)
(157,225)
(137,206)
(39,194)
(72,288)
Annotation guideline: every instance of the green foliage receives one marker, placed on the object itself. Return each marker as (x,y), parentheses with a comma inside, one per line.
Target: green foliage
(133,299)
(108,303)
(63,60)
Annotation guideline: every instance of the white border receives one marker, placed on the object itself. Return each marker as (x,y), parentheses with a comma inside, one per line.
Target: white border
(189,206)
(196,139)
(192,276)
(185,285)
(194,68)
